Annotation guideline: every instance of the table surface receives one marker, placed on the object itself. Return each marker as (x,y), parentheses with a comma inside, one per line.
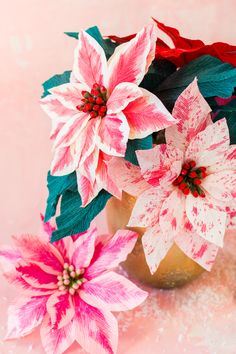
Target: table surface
(199,318)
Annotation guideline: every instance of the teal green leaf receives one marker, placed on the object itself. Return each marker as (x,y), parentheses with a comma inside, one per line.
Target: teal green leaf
(227,111)
(137,144)
(73,218)
(56,187)
(106,44)
(215,78)
(54,81)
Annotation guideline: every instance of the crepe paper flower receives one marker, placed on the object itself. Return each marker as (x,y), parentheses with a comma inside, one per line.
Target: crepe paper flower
(185,50)
(190,184)
(102,107)
(69,288)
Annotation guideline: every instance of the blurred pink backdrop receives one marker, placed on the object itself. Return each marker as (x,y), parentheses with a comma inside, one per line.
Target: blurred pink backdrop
(33,48)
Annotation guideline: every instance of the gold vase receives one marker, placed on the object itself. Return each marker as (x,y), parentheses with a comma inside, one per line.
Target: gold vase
(175,270)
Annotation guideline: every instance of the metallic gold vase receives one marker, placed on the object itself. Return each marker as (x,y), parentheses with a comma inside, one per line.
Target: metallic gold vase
(175,270)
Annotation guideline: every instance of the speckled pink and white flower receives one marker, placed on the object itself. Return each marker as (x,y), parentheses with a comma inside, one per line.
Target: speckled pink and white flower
(185,188)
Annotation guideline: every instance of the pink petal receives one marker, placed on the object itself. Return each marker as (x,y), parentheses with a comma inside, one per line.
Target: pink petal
(172,213)
(156,244)
(69,94)
(146,209)
(208,147)
(64,161)
(88,191)
(90,64)
(228,161)
(113,134)
(47,227)
(146,115)
(127,176)
(15,278)
(231,220)
(96,330)
(113,292)
(121,96)
(66,247)
(160,165)
(207,222)
(89,166)
(56,341)
(60,309)
(196,248)
(56,110)
(39,251)
(221,185)
(25,315)
(36,276)
(193,113)
(71,130)
(112,253)
(130,61)
(8,258)
(84,249)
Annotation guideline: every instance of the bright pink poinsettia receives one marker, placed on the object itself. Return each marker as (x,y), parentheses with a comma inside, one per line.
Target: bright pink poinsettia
(69,288)
(186,187)
(102,107)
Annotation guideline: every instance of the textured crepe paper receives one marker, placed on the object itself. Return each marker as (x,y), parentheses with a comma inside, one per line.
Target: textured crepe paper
(164,209)
(99,139)
(64,314)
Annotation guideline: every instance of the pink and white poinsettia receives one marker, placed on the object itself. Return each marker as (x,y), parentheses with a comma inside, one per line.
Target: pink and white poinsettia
(186,187)
(69,288)
(102,107)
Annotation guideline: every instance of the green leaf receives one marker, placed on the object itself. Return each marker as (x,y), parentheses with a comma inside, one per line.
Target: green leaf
(215,78)
(137,144)
(106,44)
(158,71)
(56,187)
(75,219)
(54,81)
(227,111)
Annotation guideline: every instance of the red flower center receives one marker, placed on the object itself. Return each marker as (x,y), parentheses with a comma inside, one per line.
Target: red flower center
(94,102)
(190,179)
(70,279)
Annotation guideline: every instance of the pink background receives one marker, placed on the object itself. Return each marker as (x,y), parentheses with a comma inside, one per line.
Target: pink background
(33,48)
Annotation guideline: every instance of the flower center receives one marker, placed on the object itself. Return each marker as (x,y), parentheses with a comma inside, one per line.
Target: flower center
(94,102)
(190,179)
(70,279)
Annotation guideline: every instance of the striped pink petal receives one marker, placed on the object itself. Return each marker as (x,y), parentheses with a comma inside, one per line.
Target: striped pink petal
(25,315)
(40,251)
(227,163)
(84,249)
(146,209)
(127,176)
(64,161)
(60,308)
(112,253)
(121,96)
(56,341)
(8,258)
(196,248)
(131,60)
(221,185)
(207,148)
(193,113)
(146,115)
(69,94)
(113,292)
(96,330)
(89,166)
(15,278)
(88,191)
(35,276)
(160,165)
(90,64)
(113,134)
(156,244)
(207,222)
(56,110)
(172,213)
